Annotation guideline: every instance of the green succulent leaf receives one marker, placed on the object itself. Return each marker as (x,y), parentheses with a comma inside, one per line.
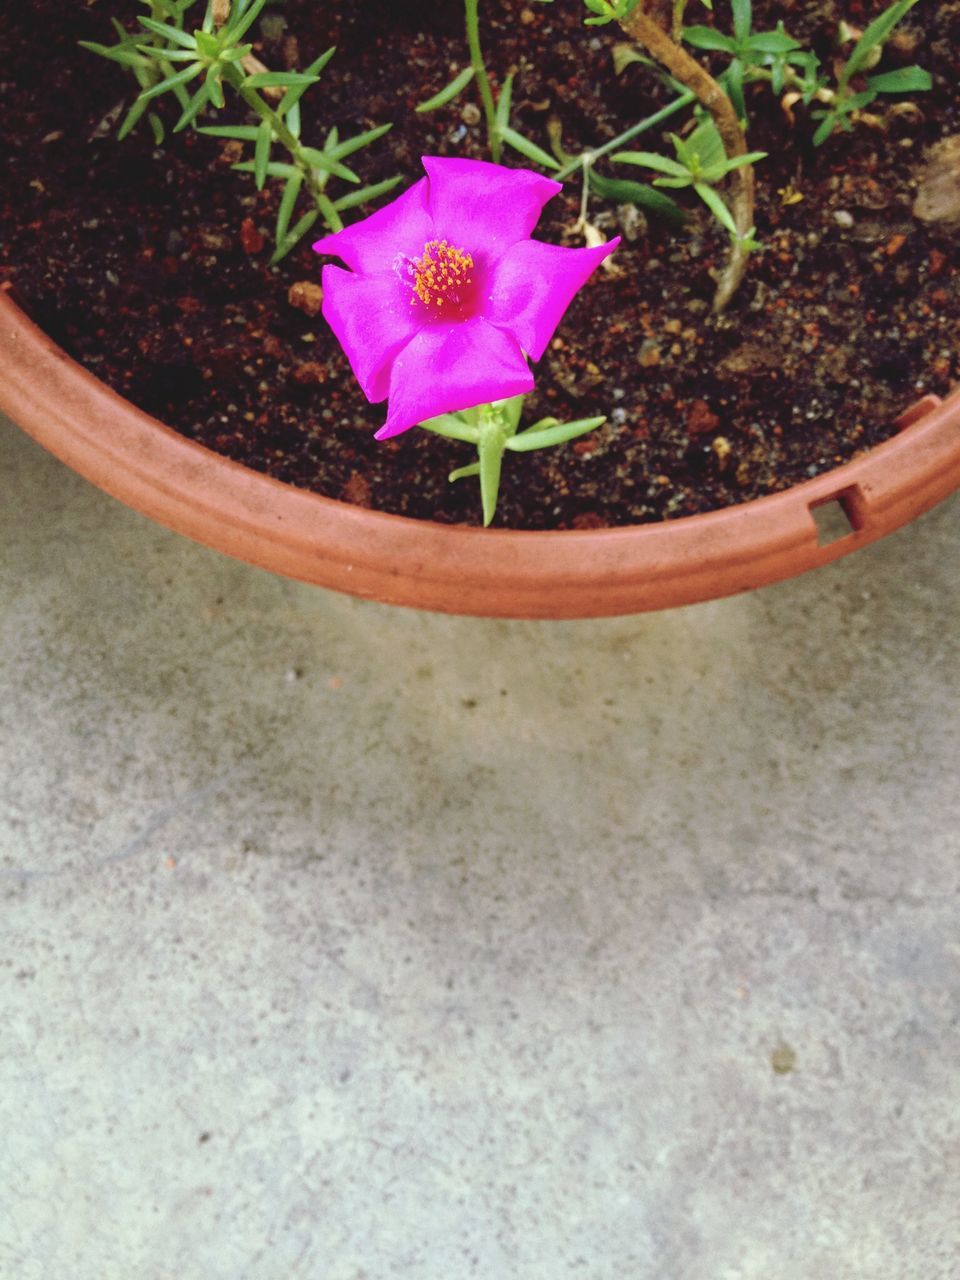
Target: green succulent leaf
(287,204)
(716,206)
(876,34)
(261,154)
(321,160)
(772,42)
(903,80)
(169,33)
(527,148)
(453,427)
(117,53)
(247,17)
(346,148)
(240,132)
(280,80)
(366,194)
(639,193)
(742,20)
(181,77)
(456,85)
(193,108)
(294,236)
(550,432)
(709,40)
(651,160)
(503,105)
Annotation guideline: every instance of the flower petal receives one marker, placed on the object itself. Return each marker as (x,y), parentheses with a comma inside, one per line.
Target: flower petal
(532,286)
(372,245)
(484,208)
(373,320)
(450,367)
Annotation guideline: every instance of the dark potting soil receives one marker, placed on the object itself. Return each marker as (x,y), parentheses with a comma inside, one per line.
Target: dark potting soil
(150,265)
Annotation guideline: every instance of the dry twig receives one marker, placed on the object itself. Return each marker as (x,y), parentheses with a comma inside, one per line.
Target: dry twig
(643,27)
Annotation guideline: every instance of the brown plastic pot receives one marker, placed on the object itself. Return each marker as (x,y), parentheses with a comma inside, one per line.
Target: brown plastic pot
(456,569)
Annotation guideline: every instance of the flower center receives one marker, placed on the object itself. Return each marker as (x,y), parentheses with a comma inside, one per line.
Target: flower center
(442,276)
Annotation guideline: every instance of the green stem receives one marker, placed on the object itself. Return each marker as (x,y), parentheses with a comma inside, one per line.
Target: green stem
(490,446)
(486,93)
(283,135)
(650,122)
(678,8)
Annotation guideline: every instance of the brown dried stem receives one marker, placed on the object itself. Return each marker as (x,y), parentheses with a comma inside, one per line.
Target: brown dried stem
(643,28)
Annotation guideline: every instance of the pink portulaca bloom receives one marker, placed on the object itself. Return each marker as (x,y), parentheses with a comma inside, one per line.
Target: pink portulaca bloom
(447,294)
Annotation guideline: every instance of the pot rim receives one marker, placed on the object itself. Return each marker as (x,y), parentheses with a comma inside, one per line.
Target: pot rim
(457,568)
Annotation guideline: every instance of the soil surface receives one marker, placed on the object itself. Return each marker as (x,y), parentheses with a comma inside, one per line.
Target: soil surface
(150,265)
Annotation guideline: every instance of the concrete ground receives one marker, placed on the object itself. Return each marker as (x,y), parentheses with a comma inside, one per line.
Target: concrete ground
(341,942)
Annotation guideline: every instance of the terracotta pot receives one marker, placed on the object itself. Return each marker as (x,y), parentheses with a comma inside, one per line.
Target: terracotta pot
(456,569)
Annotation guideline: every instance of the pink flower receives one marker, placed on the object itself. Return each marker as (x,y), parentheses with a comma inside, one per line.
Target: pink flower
(448,295)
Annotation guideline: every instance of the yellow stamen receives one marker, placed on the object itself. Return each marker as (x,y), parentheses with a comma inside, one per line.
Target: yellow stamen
(442,274)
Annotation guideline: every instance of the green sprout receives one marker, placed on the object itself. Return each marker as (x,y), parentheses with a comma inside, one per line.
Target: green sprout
(492,429)
(777,58)
(701,163)
(608,11)
(754,55)
(165,58)
(143,56)
(496,110)
(866,54)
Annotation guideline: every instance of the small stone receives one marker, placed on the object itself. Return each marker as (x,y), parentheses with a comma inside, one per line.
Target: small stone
(650,354)
(470,114)
(722,447)
(250,237)
(633,224)
(272,27)
(701,418)
(310,371)
(843,219)
(306,296)
(527,16)
(291,52)
(938,260)
(750,357)
(783,1059)
(357,490)
(905,41)
(216,241)
(938,197)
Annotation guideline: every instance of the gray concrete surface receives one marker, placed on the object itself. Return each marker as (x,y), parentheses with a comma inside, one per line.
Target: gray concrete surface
(348,943)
